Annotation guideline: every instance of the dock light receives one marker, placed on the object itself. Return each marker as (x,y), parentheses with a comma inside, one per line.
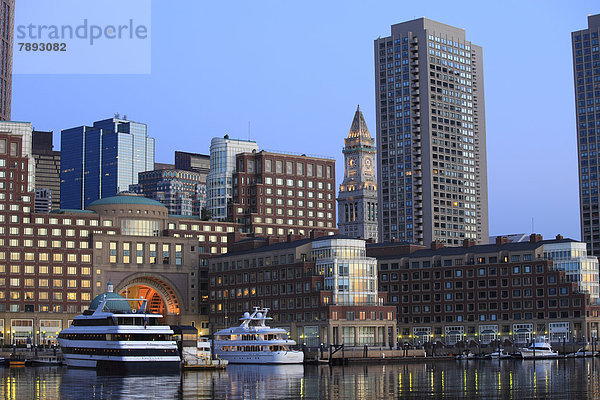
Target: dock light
(534,333)
(510,333)
(475,333)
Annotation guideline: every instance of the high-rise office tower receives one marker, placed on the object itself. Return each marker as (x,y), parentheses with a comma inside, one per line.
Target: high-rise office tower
(102,160)
(222,166)
(7,17)
(431,152)
(586,71)
(357,200)
(47,172)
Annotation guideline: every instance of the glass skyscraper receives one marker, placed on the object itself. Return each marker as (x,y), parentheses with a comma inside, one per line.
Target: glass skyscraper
(102,160)
(586,70)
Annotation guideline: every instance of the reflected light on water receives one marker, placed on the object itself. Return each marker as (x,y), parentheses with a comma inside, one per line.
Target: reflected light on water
(575,378)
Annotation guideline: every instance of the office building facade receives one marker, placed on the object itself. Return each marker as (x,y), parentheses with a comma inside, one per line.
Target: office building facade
(431,140)
(199,163)
(222,166)
(7,17)
(104,159)
(182,192)
(586,70)
(357,199)
(280,194)
(47,172)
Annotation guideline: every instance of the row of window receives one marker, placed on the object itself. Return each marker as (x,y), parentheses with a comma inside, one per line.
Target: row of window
(56,257)
(43,296)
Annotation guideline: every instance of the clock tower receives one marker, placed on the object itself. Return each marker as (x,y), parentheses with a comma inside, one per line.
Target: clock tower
(357,200)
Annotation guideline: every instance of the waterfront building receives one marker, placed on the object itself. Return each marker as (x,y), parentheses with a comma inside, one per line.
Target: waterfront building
(52,265)
(571,257)
(357,200)
(281,194)
(431,138)
(47,172)
(193,162)
(7,18)
(182,192)
(320,289)
(586,64)
(104,159)
(222,166)
(485,292)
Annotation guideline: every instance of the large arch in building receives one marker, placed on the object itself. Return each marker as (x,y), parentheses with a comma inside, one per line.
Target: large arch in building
(162,295)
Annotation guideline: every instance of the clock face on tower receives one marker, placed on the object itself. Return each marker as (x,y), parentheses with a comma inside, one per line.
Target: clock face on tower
(368,163)
(351,162)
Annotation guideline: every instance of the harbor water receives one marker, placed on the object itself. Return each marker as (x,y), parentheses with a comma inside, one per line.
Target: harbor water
(509,379)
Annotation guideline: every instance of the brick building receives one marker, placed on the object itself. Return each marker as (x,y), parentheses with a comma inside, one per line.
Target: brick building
(483,292)
(280,194)
(322,289)
(52,265)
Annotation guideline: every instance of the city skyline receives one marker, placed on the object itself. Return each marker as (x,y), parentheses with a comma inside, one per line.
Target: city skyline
(302,105)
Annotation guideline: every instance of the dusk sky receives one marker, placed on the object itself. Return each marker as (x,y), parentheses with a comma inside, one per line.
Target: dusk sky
(297,70)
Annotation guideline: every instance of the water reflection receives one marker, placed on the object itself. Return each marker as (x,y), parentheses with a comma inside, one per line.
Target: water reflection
(577,378)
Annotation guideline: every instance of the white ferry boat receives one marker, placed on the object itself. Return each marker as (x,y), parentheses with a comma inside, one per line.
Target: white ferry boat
(540,348)
(255,343)
(111,336)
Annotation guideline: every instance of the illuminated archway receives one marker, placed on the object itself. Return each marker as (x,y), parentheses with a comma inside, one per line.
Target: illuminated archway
(161,295)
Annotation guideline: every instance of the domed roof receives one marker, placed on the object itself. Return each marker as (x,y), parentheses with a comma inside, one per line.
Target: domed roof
(118,305)
(126,198)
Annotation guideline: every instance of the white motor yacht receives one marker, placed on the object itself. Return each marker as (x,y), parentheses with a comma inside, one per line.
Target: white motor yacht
(540,348)
(253,342)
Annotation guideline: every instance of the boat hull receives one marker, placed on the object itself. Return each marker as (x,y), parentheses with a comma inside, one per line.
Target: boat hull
(125,364)
(527,354)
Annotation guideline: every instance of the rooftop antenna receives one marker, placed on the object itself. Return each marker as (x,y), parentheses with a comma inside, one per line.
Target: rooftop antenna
(125,116)
(117,115)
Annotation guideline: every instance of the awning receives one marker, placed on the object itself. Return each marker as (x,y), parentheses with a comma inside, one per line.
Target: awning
(488,332)
(454,333)
(523,330)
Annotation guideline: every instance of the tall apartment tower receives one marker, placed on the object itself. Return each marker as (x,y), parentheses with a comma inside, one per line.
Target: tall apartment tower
(7,18)
(102,160)
(222,166)
(357,200)
(586,72)
(432,169)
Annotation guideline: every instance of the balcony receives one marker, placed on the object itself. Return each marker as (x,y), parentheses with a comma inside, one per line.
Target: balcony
(416,92)
(414,63)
